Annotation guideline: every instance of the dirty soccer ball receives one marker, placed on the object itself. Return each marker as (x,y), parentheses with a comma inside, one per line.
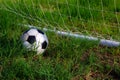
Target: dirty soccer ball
(35,40)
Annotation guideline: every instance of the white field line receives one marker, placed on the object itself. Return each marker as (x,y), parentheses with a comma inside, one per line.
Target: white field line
(104,42)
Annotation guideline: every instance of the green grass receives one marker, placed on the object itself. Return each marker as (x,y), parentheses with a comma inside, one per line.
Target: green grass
(66,58)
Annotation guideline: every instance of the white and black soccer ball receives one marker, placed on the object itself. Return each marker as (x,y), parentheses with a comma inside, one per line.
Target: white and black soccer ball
(35,40)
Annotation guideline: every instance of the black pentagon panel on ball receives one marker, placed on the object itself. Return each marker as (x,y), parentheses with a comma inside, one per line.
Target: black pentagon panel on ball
(31,39)
(40,31)
(44,45)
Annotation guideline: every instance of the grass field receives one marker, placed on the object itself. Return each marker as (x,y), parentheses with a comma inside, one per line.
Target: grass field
(66,58)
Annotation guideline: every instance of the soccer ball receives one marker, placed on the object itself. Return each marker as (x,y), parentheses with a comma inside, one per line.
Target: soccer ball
(35,40)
